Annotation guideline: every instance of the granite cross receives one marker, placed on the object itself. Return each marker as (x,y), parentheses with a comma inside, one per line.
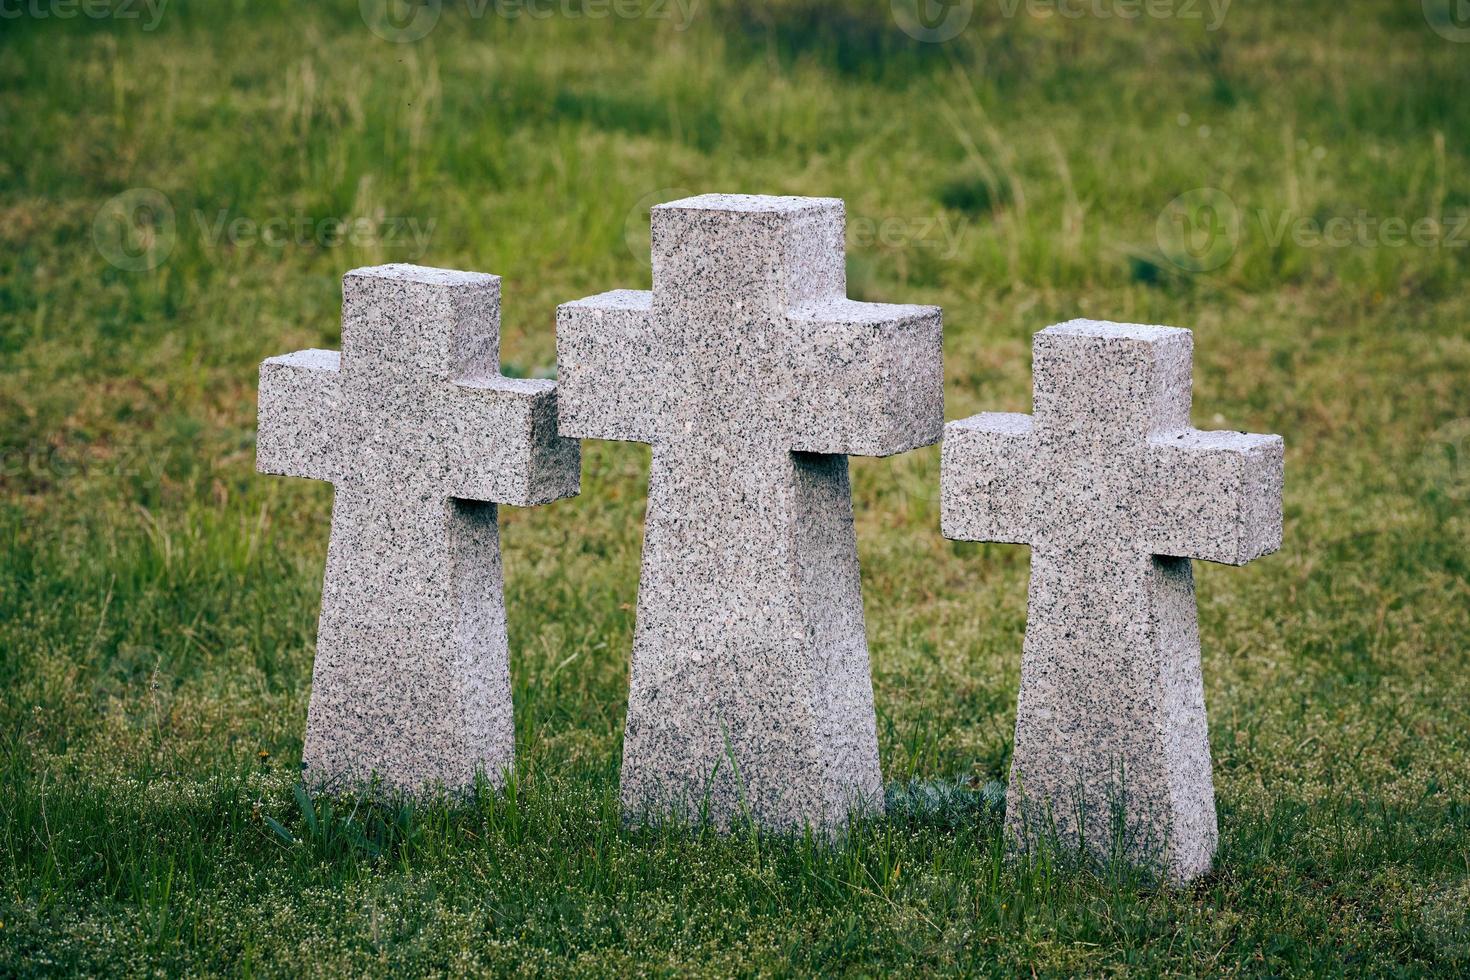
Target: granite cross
(1115,493)
(422,438)
(753,377)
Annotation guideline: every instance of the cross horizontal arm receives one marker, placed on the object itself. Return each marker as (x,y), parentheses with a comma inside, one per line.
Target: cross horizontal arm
(298,431)
(868,378)
(607,366)
(1216,495)
(987,479)
(505,448)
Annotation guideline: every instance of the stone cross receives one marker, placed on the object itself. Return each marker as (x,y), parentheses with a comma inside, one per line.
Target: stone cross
(1115,493)
(422,437)
(753,377)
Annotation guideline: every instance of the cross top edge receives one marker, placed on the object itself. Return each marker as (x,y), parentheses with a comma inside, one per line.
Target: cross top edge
(768,204)
(1110,330)
(424,275)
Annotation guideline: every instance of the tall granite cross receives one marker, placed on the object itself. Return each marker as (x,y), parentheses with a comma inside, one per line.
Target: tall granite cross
(1115,493)
(422,438)
(753,377)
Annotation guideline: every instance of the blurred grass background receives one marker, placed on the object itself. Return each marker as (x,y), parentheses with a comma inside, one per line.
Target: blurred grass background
(158,599)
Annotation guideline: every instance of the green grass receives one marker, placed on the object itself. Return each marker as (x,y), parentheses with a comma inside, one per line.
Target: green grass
(158,599)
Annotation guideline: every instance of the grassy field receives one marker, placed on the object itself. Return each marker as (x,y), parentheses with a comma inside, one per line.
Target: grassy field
(158,598)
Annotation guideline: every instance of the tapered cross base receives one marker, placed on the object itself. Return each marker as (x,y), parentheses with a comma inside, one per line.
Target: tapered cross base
(1112,751)
(411,685)
(750,696)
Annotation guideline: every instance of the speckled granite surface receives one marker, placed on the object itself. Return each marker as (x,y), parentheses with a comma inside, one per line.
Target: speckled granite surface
(1115,493)
(753,377)
(422,438)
